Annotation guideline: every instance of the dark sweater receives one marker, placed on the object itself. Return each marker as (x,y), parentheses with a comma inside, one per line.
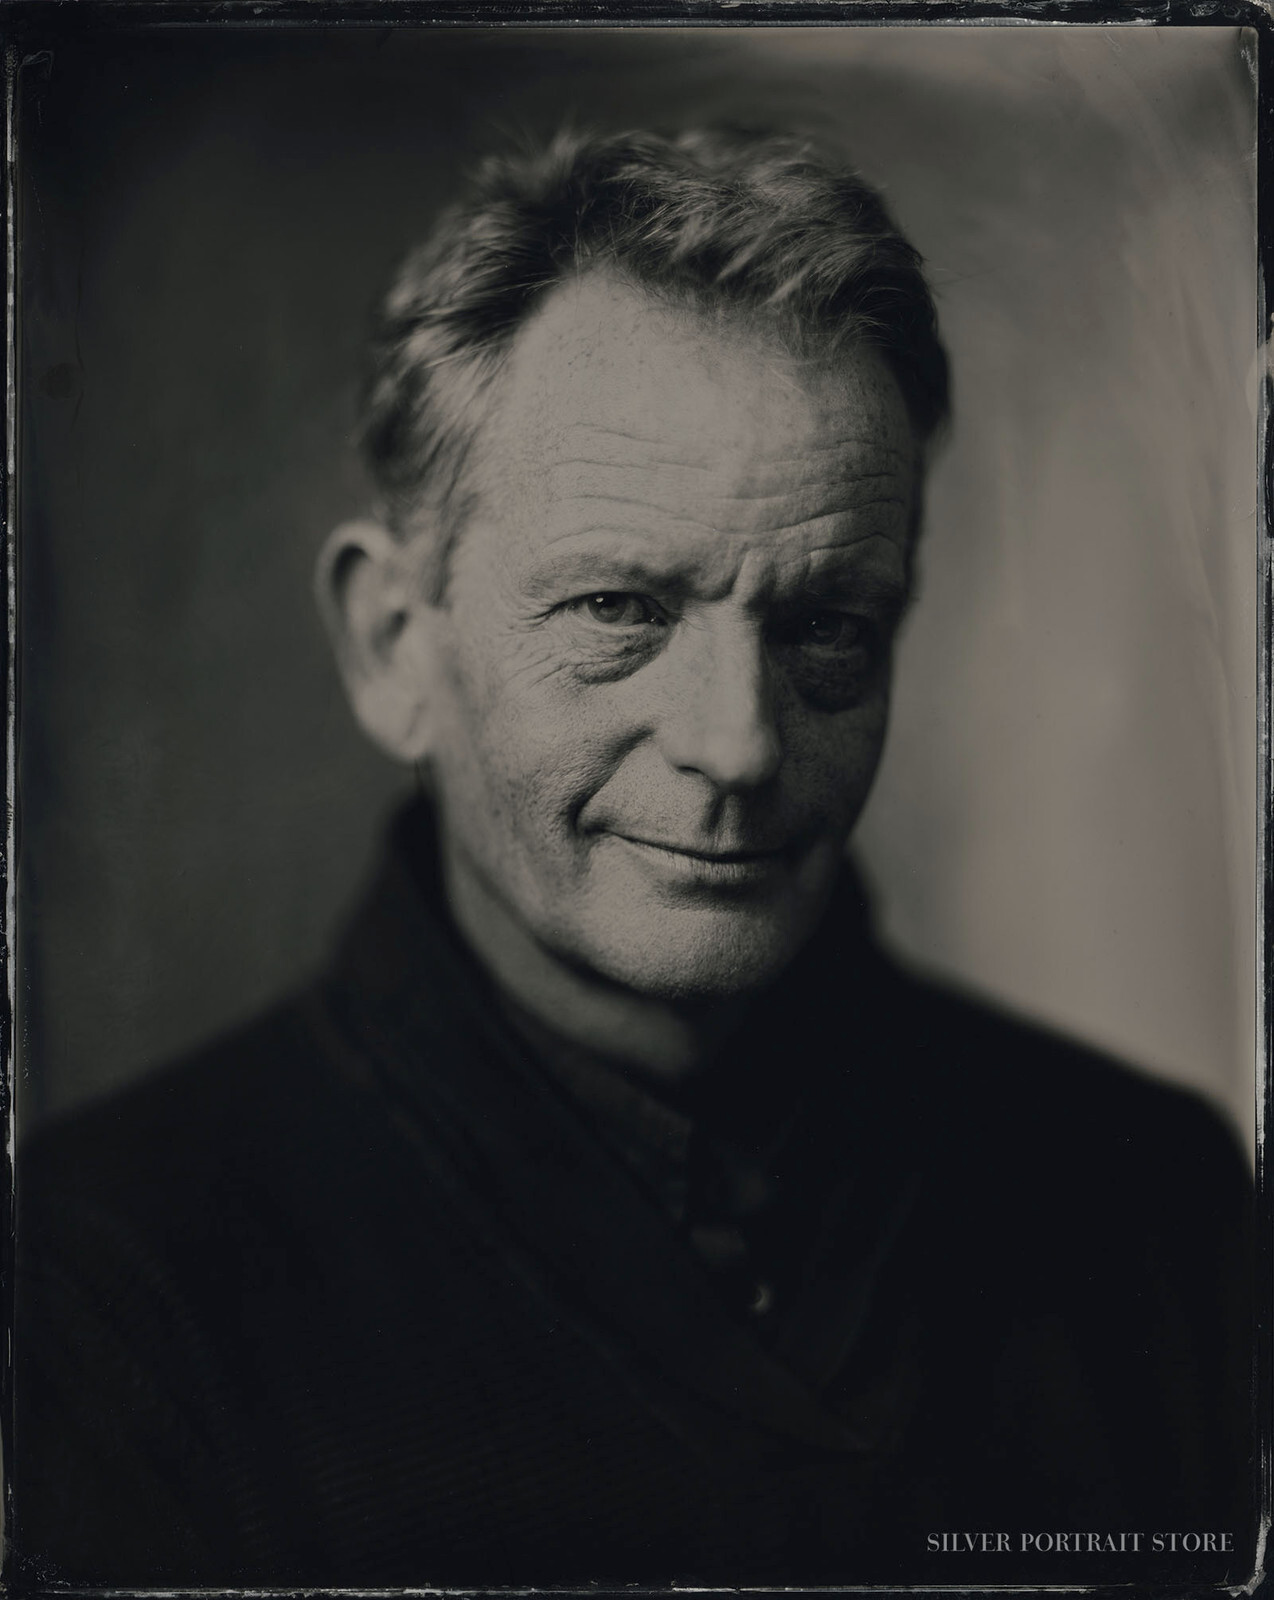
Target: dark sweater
(360,1296)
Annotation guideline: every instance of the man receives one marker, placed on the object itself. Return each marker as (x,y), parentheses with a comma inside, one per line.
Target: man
(613,1210)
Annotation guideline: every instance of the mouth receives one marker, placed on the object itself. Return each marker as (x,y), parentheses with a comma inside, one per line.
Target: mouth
(710,868)
(725,857)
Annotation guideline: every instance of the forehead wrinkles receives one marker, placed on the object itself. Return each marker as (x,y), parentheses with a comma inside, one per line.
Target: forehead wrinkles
(602,472)
(765,576)
(627,404)
(589,475)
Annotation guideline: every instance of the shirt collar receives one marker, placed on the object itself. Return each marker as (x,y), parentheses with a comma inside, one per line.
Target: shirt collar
(414,1019)
(742,1103)
(650,1134)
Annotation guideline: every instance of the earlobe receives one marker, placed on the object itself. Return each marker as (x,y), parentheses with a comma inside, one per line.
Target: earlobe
(377,622)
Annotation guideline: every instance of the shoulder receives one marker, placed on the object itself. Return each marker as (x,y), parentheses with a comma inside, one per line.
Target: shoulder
(138,1221)
(1040,1118)
(197,1175)
(176,1128)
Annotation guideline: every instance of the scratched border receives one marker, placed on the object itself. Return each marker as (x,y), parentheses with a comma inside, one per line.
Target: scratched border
(31,28)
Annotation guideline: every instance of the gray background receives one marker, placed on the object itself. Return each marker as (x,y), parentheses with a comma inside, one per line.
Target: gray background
(1066,817)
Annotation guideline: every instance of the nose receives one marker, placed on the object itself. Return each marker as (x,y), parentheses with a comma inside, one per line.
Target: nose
(721,718)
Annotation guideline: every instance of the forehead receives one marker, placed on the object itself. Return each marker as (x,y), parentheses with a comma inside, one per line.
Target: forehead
(606,353)
(654,422)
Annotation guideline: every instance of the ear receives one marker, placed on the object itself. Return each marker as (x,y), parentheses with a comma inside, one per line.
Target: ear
(377,618)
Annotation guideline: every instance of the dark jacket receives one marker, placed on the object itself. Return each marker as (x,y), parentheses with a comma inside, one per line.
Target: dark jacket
(358,1297)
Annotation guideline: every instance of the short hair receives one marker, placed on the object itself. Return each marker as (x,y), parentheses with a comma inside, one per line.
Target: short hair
(722,220)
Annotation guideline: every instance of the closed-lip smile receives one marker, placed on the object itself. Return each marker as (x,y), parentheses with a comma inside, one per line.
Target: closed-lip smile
(714,857)
(696,870)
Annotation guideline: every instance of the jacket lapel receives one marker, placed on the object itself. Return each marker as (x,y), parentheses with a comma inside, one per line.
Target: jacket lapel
(423,1010)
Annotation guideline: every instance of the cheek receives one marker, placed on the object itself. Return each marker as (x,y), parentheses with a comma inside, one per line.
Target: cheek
(533,744)
(832,760)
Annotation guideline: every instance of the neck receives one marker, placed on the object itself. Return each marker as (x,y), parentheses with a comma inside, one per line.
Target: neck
(655,1038)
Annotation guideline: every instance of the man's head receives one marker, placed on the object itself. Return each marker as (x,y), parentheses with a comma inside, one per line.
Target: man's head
(648,425)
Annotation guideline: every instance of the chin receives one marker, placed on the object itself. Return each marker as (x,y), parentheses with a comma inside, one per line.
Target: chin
(698,955)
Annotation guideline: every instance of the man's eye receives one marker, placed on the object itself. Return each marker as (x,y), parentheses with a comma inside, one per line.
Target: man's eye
(616,608)
(827,630)
(830,627)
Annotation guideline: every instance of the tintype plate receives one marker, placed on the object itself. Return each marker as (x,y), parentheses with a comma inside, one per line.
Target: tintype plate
(567,1195)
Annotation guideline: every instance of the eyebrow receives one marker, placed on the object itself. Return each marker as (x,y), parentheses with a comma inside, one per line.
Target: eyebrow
(888,596)
(602,569)
(599,570)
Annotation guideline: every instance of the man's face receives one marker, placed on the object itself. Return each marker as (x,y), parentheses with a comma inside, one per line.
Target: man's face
(662,674)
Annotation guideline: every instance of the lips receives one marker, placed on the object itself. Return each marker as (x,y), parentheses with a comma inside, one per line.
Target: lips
(692,869)
(713,856)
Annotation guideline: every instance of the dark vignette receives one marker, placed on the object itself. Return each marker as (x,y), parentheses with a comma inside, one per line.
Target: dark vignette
(32,32)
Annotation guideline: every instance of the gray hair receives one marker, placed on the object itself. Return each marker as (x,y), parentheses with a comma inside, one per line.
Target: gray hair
(760,224)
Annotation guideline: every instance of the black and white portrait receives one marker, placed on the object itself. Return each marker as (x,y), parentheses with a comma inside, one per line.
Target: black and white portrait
(635,806)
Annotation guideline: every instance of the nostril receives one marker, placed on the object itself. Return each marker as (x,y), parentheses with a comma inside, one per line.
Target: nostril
(731,750)
(742,755)
(721,720)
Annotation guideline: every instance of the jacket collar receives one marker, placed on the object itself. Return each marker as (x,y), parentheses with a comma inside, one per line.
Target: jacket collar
(423,1011)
